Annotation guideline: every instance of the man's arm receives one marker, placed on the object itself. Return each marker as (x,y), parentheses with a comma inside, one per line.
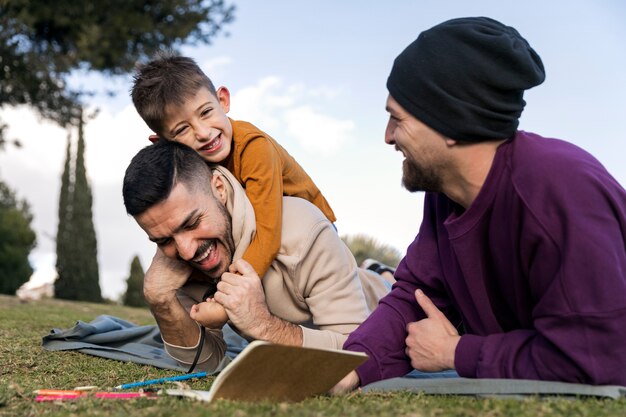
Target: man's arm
(161,282)
(170,309)
(383,335)
(241,294)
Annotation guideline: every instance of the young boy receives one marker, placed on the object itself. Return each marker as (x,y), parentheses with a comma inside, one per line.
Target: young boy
(179,102)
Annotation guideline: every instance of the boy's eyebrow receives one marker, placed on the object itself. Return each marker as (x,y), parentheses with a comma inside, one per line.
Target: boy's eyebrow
(203,104)
(179,228)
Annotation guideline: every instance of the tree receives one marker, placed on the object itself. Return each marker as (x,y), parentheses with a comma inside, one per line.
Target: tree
(17,239)
(77,246)
(43,42)
(63,262)
(364,247)
(134,285)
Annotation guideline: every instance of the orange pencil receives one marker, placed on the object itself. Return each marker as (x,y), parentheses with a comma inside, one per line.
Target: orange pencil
(62,392)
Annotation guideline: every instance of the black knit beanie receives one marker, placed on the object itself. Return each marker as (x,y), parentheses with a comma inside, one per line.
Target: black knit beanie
(466,78)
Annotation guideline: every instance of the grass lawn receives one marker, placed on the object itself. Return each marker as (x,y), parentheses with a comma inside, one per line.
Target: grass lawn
(25,366)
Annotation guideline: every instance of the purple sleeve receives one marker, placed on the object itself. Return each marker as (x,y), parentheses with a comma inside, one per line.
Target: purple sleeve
(577,275)
(382,336)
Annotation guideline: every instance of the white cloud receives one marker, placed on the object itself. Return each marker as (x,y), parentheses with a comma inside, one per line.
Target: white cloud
(317,132)
(290,109)
(216,68)
(112,139)
(213,64)
(258,103)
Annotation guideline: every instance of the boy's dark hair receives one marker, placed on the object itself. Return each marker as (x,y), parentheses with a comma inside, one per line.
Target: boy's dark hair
(168,79)
(154,171)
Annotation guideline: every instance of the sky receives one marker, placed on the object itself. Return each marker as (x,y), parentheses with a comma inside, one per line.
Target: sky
(312,74)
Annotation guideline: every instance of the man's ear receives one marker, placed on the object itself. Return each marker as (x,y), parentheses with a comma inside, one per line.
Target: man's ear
(218,184)
(153,138)
(223,95)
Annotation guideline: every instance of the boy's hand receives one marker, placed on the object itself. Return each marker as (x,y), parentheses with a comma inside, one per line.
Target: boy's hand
(209,314)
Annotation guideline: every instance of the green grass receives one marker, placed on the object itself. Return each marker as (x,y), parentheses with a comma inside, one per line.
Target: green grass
(25,366)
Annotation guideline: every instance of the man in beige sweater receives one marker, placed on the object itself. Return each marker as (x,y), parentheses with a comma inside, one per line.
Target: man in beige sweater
(201,220)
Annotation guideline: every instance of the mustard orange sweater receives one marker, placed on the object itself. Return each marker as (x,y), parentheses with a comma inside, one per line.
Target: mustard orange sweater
(267,173)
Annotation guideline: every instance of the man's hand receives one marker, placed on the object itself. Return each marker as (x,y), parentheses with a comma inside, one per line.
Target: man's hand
(347,384)
(432,341)
(163,278)
(241,293)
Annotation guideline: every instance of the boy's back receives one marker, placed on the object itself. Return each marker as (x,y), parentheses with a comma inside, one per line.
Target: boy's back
(267,173)
(250,149)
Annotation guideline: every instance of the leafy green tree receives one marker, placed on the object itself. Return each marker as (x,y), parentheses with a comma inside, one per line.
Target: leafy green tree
(17,239)
(43,42)
(364,247)
(77,246)
(134,285)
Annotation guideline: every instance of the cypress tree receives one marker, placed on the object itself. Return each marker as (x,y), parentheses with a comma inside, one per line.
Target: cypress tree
(64,287)
(79,278)
(134,285)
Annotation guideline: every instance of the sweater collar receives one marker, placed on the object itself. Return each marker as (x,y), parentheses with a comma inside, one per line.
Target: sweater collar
(240,210)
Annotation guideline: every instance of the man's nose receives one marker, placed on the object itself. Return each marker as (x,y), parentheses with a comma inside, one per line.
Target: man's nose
(389,140)
(186,248)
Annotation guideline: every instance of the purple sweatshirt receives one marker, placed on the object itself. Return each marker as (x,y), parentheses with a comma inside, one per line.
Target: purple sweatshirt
(533,274)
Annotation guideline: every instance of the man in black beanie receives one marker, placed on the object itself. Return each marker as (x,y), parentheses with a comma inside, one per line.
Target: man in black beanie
(519,267)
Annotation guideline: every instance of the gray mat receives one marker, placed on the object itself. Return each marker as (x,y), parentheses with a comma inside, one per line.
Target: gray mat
(510,388)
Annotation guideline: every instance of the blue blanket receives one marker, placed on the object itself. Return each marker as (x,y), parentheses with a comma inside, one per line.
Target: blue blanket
(113,338)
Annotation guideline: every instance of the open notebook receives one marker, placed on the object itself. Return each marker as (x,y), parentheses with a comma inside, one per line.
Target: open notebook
(266,371)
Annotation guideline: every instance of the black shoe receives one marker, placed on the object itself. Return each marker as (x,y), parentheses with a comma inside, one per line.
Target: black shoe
(376,266)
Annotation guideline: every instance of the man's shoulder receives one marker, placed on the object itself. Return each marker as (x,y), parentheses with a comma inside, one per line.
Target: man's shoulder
(302,221)
(300,213)
(537,163)
(535,155)
(551,173)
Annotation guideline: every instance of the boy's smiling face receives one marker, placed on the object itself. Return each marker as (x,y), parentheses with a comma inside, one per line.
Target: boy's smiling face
(201,123)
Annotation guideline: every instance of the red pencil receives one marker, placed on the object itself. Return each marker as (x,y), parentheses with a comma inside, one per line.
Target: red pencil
(62,395)
(124,395)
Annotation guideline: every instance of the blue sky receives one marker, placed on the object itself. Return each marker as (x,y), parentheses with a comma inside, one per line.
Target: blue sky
(312,74)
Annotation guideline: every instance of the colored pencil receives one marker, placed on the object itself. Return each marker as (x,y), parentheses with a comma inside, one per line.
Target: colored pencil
(161,380)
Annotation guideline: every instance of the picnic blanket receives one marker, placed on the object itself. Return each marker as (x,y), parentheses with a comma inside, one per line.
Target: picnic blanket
(114,338)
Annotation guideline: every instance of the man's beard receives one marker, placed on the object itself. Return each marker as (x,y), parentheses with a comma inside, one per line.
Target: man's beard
(227,241)
(418,178)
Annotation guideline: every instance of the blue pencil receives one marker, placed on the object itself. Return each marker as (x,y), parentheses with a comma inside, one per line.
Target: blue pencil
(161,380)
